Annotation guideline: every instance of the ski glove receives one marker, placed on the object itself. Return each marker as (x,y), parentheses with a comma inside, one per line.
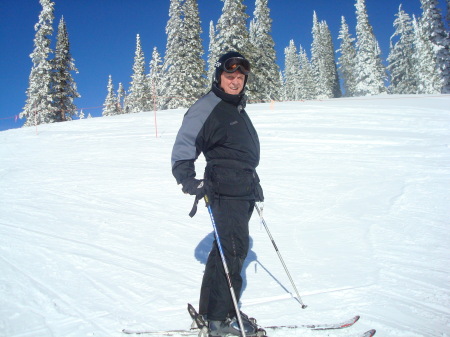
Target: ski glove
(197,187)
(194,186)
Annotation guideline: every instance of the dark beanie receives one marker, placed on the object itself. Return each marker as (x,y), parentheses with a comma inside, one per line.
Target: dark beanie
(221,61)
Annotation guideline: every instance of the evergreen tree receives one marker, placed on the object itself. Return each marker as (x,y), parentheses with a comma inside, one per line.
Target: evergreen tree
(64,88)
(428,78)
(231,29)
(347,60)
(39,104)
(432,27)
(401,62)
(184,67)
(281,85)
(322,61)
(318,61)
(121,98)
(111,106)
(264,68)
(138,94)
(154,80)
(307,81)
(173,78)
(193,65)
(370,70)
(330,68)
(291,73)
(213,54)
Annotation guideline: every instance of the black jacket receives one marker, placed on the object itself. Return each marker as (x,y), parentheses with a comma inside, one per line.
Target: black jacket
(218,126)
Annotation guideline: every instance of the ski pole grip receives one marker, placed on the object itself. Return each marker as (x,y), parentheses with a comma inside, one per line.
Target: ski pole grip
(206,200)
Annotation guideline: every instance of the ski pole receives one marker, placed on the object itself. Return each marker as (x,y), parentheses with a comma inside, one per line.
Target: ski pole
(225,267)
(279,255)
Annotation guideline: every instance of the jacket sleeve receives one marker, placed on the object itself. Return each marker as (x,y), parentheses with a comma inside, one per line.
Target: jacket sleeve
(183,169)
(187,146)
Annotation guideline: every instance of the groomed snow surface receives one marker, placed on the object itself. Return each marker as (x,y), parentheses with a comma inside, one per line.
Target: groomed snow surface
(95,234)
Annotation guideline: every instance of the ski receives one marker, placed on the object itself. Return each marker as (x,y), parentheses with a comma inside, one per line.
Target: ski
(200,324)
(326,326)
(192,332)
(331,326)
(369,333)
(195,332)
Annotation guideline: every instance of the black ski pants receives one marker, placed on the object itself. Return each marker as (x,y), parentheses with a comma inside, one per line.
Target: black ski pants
(231,217)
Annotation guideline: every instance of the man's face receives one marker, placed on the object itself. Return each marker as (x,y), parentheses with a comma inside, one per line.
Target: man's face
(232,83)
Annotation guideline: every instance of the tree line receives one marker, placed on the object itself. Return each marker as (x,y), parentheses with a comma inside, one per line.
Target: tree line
(418,61)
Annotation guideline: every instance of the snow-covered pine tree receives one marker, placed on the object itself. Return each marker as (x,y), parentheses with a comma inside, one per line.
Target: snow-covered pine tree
(121,97)
(111,106)
(401,62)
(173,78)
(184,67)
(433,28)
(307,86)
(428,77)
(330,74)
(231,29)
(195,83)
(315,57)
(291,73)
(371,72)
(347,60)
(154,80)
(281,85)
(138,94)
(322,90)
(64,88)
(323,61)
(264,68)
(213,53)
(39,104)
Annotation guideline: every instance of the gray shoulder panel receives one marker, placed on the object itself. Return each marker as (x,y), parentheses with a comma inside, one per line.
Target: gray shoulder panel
(184,147)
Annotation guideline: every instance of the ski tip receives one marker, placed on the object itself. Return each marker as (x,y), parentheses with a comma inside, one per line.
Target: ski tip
(369,333)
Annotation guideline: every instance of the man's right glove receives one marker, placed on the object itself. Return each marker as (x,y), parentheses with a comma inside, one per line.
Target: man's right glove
(194,186)
(197,187)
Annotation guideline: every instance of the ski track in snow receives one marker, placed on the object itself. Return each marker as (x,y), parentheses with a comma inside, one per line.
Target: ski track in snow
(95,236)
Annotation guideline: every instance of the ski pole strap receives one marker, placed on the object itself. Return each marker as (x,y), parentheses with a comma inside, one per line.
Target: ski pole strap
(194,207)
(197,199)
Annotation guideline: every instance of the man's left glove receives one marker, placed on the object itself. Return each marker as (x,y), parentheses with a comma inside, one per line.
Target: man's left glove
(195,187)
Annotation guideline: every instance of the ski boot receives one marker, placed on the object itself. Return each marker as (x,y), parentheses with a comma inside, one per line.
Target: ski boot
(231,327)
(258,331)
(198,321)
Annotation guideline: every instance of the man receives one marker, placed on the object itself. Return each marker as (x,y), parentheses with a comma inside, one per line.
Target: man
(218,126)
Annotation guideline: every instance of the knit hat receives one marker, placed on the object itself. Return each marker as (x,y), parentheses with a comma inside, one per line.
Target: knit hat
(219,65)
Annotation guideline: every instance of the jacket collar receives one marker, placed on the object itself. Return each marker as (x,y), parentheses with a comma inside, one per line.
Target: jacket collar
(237,100)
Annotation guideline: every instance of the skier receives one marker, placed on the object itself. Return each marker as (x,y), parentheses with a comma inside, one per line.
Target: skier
(218,126)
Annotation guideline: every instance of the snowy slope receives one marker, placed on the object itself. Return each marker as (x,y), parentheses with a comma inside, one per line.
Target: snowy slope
(95,234)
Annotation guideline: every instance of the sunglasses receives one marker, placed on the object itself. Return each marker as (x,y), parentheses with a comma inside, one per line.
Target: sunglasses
(235,63)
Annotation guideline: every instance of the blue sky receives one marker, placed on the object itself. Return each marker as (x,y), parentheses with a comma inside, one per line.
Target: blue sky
(103,38)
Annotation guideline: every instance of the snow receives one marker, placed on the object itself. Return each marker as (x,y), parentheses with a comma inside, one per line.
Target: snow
(95,234)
